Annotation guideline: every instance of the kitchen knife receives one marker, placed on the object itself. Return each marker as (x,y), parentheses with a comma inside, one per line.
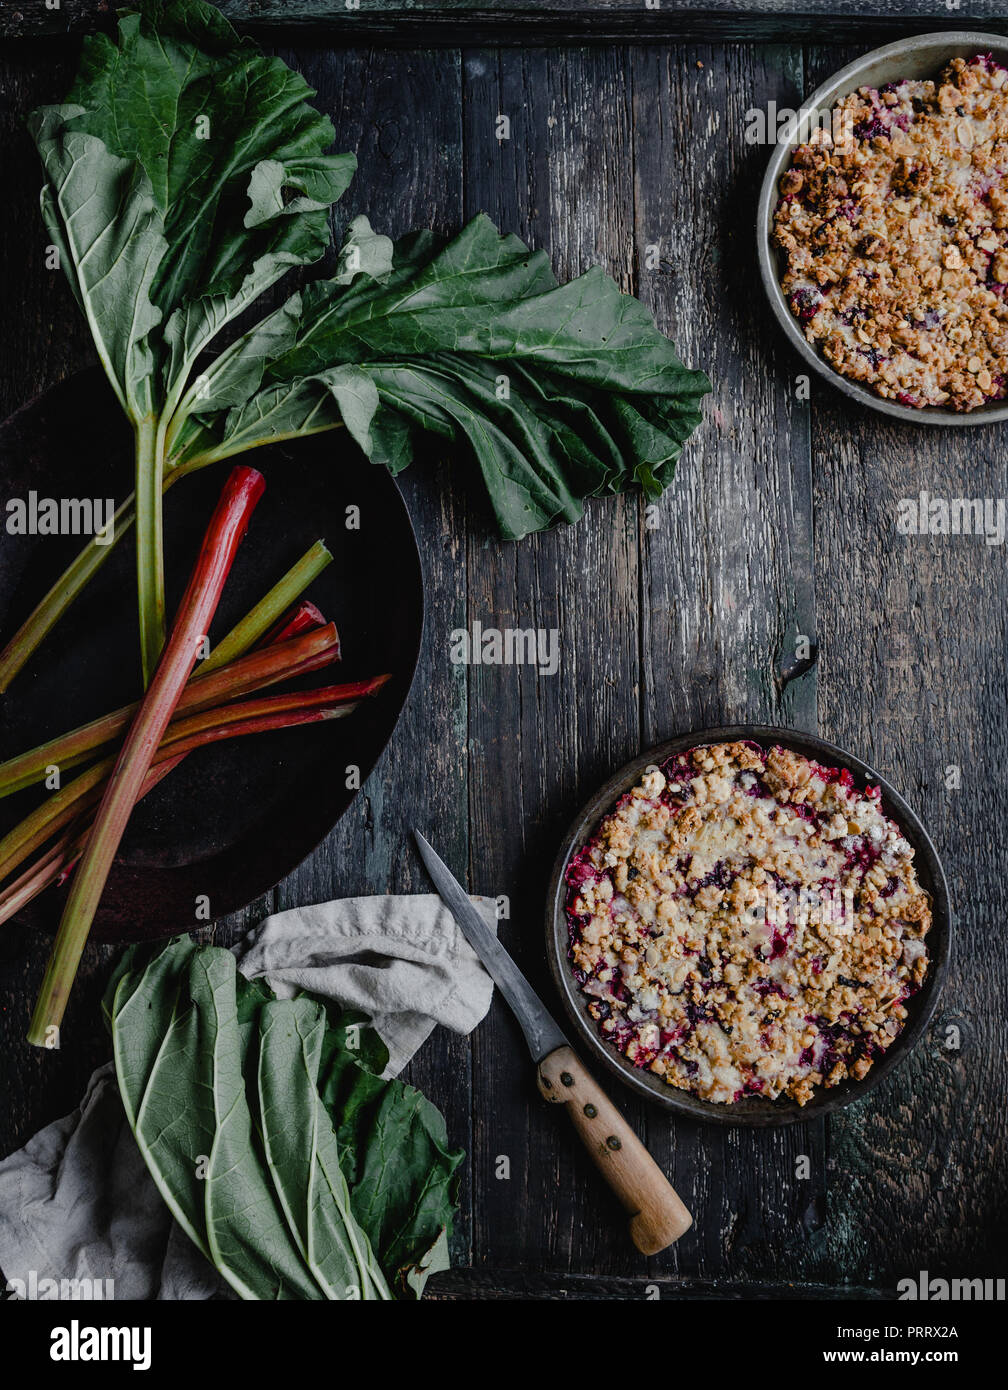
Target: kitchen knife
(658,1217)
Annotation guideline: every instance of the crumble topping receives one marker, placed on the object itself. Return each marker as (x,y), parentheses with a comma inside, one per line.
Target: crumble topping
(895,237)
(747,922)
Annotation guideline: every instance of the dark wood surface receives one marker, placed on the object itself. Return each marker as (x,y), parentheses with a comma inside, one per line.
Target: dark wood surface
(781,521)
(544,21)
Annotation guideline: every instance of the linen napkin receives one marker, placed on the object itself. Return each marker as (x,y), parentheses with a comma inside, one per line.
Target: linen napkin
(77,1202)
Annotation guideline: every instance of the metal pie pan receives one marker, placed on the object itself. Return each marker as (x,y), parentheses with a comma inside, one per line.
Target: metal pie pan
(754,1110)
(919,57)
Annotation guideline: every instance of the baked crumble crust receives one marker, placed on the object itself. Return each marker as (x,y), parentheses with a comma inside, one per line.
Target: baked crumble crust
(748,922)
(895,237)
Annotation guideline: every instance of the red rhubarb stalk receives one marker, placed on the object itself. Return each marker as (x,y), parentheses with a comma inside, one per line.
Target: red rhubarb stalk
(192,622)
(57,863)
(302,652)
(330,697)
(302,618)
(255,717)
(48,868)
(87,789)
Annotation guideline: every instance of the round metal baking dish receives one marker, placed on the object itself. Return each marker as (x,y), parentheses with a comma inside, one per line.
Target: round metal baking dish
(920,57)
(754,1110)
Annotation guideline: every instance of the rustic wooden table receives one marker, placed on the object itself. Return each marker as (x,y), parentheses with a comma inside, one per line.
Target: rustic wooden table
(781,522)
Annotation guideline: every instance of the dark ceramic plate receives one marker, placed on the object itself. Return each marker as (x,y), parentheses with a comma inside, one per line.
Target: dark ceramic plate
(754,1110)
(232,820)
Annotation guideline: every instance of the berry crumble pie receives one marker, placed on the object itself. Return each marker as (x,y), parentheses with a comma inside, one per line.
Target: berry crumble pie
(894,233)
(747,922)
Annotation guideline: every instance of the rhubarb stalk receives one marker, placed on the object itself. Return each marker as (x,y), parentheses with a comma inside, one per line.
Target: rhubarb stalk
(150,544)
(256,717)
(58,860)
(86,790)
(269,610)
(29,767)
(48,611)
(199,603)
(281,660)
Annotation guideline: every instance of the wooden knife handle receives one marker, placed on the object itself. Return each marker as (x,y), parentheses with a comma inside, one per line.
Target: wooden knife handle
(658,1216)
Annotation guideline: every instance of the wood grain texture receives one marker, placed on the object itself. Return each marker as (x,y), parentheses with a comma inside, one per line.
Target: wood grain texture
(726,582)
(913,679)
(539,743)
(526,1284)
(546,21)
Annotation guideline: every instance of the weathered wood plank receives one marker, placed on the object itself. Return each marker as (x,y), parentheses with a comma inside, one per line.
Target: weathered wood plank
(526,1284)
(726,580)
(913,632)
(524,21)
(539,743)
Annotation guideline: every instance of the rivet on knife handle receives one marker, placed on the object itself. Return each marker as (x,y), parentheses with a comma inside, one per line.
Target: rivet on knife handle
(658,1216)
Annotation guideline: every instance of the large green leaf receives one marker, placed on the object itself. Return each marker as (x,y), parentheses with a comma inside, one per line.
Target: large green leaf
(179,1060)
(561,392)
(403,1176)
(154,1026)
(100,213)
(229,157)
(302,1152)
(279,1149)
(247,1232)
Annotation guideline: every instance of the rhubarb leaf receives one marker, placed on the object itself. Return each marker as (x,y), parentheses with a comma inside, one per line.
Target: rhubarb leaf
(283,1154)
(101,216)
(185,174)
(155,1029)
(302,1151)
(247,1231)
(233,154)
(561,392)
(403,1177)
(230,388)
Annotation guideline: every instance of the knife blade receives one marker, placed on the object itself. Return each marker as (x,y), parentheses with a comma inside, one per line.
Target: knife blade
(657,1215)
(540,1028)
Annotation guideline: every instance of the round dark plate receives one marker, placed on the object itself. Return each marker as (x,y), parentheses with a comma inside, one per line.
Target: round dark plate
(233,819)
(754,1110)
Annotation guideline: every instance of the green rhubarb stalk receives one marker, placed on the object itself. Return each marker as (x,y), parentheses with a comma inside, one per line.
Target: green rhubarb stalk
(150,544)
(54,814)
(59,859)
(47,613)
(68,750)
(75,579)
(46,870)
(199,603)
(297,656)
(270,609)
